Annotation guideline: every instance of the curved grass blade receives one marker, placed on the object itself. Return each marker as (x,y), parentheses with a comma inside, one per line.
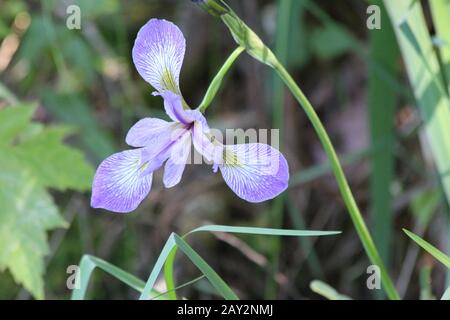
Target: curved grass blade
(212,276)
(264,231)
(326,291)
(435,252)
(88,264)
(425,77)
(382,99)
(180,286)
(439,12)
(170,256)
(172,243)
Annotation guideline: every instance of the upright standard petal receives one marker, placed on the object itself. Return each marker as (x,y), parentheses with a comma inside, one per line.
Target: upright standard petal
(255,172)
(158,54)
(174,167)
(173,104)
(152,132)
(118,184)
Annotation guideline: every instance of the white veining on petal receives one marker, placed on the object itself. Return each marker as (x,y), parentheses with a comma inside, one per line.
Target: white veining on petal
(255,172)
(158,54)
(118,183)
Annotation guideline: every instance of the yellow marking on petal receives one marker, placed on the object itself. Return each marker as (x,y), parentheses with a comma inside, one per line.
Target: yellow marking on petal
(168,81)
(231,158)
(143,166)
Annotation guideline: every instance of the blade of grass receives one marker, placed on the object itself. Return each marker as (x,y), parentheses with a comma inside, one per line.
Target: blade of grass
(326,291)
(212,276)
(88,264)
(435,252)
(180,286)
(169,251)
(423,71)
(171,244)
(381,106)
(440,10)
(425,283)
(264,231)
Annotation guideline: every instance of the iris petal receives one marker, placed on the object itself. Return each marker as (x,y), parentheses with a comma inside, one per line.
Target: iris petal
(174,167)
(174,108)
(255,172)
(152,132)
(203,144)
(154,157)
(118,184)
(158,54)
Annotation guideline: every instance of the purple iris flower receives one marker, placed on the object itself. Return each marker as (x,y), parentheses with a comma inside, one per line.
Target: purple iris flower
(255,172)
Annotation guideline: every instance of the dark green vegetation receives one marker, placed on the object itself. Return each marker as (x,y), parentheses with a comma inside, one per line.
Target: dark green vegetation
(83,94)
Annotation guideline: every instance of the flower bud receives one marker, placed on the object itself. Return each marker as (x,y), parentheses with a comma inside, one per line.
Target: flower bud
(213,7)
(248,39)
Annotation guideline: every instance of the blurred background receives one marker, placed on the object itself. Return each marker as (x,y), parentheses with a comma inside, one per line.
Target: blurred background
(84,81)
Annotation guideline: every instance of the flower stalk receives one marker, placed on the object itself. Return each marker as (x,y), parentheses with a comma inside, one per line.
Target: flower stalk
(217,81)
(255,47)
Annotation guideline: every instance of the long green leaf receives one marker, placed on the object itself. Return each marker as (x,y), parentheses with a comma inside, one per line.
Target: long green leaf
(88,264)
(381,105)
(425,77)
(169,252)
(327,291)
(264,231)
(171,244)
(440,11)
(212,276)
(435,252)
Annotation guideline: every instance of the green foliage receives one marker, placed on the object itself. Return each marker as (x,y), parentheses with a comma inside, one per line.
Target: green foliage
(32,158)
(425,76)
(426,292)
(88,264)
(436,253)
(326,291)
(167,255)
(75,110)
(330,42)
(382,99)
(439,10)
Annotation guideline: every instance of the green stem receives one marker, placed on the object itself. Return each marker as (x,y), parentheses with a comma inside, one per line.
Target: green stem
(217,81)
(255,47)
(209,96)
(346,193)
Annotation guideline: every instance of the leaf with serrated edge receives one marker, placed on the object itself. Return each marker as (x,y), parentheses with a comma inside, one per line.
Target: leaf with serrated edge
(33,157)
